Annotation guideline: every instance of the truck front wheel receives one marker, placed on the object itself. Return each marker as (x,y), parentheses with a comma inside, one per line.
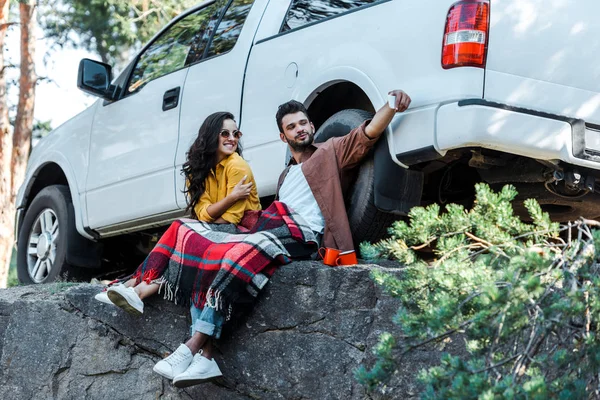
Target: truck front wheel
(42,247)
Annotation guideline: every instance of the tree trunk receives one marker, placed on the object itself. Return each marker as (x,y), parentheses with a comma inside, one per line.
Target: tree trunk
(21,143)
(7,211)
(27,81)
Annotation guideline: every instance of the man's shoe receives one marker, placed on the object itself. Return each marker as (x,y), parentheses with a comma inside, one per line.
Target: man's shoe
(200,370)
(126,298)
(103,297)
(175,364)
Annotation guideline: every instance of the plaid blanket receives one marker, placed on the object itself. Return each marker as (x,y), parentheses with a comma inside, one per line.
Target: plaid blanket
(214,264)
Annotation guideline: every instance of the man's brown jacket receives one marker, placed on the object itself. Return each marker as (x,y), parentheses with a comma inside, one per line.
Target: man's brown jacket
(326,168)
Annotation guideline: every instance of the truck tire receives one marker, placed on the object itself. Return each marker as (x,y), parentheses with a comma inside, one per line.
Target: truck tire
(42,247)
(367,223)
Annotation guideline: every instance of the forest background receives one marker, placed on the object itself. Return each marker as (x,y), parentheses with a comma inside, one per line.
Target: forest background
(111,31)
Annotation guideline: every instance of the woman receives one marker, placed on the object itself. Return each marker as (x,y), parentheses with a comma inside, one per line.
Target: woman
(212,265)
(220,188)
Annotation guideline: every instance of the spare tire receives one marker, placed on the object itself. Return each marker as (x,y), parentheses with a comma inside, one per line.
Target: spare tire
(367,223)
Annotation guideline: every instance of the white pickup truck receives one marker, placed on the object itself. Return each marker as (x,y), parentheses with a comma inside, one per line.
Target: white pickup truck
(503,91)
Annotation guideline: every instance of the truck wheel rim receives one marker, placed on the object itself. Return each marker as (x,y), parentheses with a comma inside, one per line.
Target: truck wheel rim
(41,247)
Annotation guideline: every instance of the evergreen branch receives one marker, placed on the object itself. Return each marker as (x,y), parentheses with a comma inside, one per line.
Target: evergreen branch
(588,317)
(468,299)
(501,363)
(536,232)
(438,337)
(479,240)
(450,253)
(429,242)
(517,369)
(424,245)
(498,333)
(589,222)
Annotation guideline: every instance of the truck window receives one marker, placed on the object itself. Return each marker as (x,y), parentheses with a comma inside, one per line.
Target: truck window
(174,49)
(230,27)
(304,12)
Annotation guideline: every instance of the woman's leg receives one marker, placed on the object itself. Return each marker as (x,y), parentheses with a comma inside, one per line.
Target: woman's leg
(129,296)
(103,295)
(207,324)
(146,289)
(186,356)
(217,320)
(157,261)
(203,327)
(207,349)
(197,342)
(130,283)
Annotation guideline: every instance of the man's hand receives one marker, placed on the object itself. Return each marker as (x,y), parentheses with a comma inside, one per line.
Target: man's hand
(385,114)
(402,100)
(241,190)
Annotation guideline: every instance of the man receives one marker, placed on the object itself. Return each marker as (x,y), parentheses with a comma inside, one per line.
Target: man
(312,183)
(311,186)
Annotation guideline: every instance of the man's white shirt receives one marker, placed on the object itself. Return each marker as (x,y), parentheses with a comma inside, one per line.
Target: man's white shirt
(296,194)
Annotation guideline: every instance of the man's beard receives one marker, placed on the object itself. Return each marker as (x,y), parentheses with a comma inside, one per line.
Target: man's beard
(301,146)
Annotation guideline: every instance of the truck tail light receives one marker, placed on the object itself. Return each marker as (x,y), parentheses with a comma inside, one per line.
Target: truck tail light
(466,34)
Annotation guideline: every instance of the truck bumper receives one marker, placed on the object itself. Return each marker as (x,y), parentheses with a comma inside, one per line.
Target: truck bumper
(529,133)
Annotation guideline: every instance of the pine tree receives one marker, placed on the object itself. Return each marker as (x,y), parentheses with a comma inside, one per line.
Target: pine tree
(524,297)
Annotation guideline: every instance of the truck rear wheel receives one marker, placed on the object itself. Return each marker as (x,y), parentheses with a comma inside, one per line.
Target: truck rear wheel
(367,223)
(42,247)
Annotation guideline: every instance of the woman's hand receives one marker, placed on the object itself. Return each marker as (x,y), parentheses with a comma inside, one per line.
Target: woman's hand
(241,190)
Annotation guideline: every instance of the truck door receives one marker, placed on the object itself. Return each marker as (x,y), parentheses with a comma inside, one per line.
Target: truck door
(134,139)
(214,83)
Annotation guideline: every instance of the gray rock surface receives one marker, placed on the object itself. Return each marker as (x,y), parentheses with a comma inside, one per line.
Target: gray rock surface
(311,327)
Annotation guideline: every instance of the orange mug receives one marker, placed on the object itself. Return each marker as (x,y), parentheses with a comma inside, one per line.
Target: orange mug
(346,258)
(329,256)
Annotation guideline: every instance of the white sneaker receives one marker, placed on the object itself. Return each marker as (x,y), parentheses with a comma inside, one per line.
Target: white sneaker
(103,297)
(126,298)
(200,370)
(175,364)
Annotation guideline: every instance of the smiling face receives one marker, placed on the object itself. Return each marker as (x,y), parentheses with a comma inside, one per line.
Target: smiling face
(298,131)
(228,139)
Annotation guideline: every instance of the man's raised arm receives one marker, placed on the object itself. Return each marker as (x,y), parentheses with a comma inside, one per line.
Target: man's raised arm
(385,114)
(351,149)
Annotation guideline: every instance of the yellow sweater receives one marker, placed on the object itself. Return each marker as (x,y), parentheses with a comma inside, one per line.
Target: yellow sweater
(220,182)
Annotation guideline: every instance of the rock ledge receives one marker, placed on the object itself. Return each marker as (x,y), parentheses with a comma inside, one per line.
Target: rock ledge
(311,327)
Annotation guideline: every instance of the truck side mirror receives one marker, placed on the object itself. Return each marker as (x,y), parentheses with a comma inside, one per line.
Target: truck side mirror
(94,78)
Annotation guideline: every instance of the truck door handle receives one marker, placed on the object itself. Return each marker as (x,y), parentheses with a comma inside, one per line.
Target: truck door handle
(171,98)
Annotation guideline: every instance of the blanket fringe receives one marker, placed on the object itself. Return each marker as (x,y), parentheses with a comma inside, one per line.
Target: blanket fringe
(171,293)
(216,301)
(213,299)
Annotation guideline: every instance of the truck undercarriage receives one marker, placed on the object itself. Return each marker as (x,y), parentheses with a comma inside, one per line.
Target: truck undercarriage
(564,191)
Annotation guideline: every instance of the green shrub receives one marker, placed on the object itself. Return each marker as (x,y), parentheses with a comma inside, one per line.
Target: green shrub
(13,280)
(525,298)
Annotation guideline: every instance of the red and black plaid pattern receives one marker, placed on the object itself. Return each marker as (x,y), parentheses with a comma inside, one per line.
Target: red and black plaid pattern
(214,264)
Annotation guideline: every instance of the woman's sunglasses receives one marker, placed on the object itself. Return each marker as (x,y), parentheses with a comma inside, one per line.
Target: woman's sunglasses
(226,134)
